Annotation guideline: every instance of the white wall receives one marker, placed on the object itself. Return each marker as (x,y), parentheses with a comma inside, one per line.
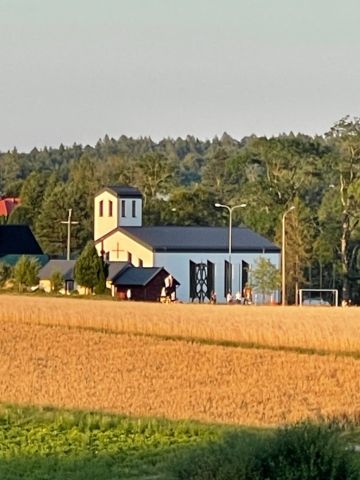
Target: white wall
(129,220)
(178,264)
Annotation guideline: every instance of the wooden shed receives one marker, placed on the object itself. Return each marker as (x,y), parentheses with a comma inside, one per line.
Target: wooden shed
(145,283)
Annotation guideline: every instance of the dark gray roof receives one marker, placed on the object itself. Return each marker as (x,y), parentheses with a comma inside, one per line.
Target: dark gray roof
(65,267)
(137,276)
(123,191)
(205,239)
(115,268)
(18,240)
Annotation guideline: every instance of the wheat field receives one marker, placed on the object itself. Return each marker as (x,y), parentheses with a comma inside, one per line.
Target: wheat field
(44,362)
(318,328)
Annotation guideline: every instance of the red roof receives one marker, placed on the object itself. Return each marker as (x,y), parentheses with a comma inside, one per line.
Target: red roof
(7,205)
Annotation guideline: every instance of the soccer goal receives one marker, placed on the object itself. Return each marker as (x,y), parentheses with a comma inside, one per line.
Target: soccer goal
(319,296)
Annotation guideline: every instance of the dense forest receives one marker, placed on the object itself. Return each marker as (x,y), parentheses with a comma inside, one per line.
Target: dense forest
(182,179)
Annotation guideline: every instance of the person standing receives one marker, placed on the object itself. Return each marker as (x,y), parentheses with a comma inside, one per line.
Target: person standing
(213,297)
(229,298)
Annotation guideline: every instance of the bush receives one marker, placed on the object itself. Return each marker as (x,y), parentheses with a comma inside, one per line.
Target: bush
(26,272)
(5,273)
(305,451)
(57,281)
(225,460)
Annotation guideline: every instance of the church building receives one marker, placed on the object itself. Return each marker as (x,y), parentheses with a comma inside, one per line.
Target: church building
(198,257)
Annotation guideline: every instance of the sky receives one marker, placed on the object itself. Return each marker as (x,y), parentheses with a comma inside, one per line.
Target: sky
(72,71)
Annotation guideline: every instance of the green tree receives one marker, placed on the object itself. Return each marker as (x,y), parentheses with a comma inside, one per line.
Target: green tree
(26,272)
(155,175)
(21,215)
(89,268)
(32,195)
(344,136)
(191,206)
(56,281)
(265,277)
(5,273)
(49,229)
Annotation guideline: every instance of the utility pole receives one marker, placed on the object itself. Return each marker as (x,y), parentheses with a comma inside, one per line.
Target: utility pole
(68,222)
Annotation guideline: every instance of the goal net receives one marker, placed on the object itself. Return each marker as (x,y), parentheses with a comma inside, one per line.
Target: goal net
(319,296)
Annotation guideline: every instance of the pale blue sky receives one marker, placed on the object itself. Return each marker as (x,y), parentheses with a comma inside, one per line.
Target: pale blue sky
(74,70)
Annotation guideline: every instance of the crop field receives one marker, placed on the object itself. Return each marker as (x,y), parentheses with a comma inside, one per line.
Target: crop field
(321,329)
(257,366)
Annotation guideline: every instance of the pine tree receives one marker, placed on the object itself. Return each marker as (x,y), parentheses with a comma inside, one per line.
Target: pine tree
(89,268)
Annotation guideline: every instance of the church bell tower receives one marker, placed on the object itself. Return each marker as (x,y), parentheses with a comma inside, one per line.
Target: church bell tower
(116,206)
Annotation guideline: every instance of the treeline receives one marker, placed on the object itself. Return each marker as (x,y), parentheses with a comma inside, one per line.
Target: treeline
(182,179)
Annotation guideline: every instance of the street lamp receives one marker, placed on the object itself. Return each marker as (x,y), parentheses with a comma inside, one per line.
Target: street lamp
(283,282)
(230,209)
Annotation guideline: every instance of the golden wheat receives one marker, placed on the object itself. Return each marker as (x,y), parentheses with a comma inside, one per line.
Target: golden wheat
(319,328)
(137,375)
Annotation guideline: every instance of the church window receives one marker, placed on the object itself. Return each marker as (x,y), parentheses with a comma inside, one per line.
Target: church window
(129,257)
(110,208)
(141,263)
(227,278)
(133,208)
(123,208)
(101,208)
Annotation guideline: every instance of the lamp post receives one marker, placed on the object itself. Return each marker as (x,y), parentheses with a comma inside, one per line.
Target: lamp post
(230,209)
(283,260)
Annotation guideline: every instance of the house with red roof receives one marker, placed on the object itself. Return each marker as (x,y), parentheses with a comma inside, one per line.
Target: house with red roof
(7,205)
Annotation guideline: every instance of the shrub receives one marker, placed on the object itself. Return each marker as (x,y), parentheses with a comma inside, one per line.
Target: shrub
(26,272)
(305,451)
(5,273)
(56,281)
(225,460)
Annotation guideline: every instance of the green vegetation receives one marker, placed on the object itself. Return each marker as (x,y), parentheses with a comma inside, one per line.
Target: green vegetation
(265,277)
(90,269)
(305,451)
(39,444)
(26,272)
(45,443)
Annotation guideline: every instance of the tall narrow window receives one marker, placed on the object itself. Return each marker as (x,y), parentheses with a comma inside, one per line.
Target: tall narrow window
(133,206)
(123,212)
(101,208)
(110,208)
(141,263)
(129,257)
(227,278)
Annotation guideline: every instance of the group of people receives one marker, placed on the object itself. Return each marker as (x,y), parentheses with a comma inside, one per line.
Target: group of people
(245,299)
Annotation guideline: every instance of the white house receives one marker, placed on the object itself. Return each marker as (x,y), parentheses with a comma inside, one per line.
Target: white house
(198,257)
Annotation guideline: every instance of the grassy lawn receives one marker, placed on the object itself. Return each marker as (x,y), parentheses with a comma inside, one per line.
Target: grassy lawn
(39,444)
